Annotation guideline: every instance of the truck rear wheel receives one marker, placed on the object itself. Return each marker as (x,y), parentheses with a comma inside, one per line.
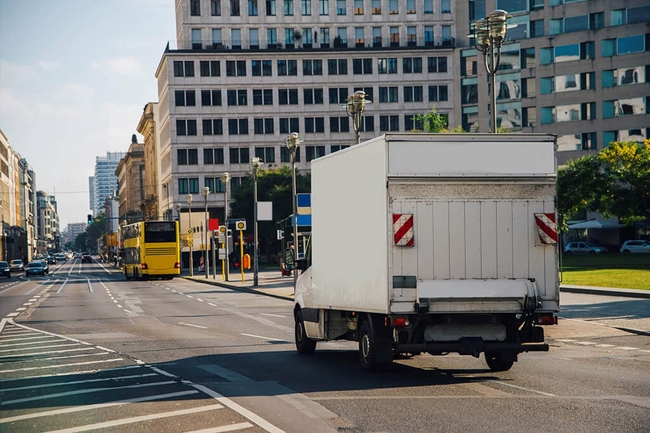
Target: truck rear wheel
(367,352)
(304,344)
(497,362)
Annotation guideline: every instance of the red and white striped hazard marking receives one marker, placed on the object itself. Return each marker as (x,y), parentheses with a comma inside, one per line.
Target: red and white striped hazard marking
(546,227)
(403,229)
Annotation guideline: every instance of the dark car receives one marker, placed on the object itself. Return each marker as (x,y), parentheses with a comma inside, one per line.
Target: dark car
(51,260)
(4,269)
(35,268)
(86,258)
(16,265)
(46,267)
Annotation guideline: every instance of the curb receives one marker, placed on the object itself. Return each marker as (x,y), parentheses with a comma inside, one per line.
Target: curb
(247,289)
(627,293)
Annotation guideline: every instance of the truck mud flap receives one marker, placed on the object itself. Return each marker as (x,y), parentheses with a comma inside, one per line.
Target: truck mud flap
(471,347)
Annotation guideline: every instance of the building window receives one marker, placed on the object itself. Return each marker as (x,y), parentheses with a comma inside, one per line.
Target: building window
(412,65)
(195,8)
(185,127)
(338,95)
(210,68)
(313,96)
(305,7)
(413,94)
(337,66)
(436,64)
(340,7)
(340,124)
(213,155)
(236,68)
(388,123)
(237,97)
(265,154)
(439,93)
(287,67)
(183,68)
(210,98)
(272,38)
(215,8)
(235,9)
(289,125)
(252,8)
(263,126)
(394,36)
(388,94)
(314,124)
(262,97)
(410,124)
(288,96)
(393,7)
(362,66)
(358,7)
(288,8)
(212,127)
(183,186)
(185,98)
(312,67)
(238,126)
(181,156)
(323,7)
(314,152)
(367,90)
(239,155)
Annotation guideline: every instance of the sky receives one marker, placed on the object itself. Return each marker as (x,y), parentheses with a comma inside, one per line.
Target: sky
(75,76)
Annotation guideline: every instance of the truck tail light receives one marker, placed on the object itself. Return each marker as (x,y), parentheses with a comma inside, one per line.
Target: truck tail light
(548,319)
(398,322)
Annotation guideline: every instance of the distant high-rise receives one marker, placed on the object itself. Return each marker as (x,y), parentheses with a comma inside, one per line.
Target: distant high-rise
(104,182)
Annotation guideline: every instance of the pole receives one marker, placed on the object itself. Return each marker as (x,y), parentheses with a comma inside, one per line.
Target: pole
(493,97)
(214,257)
(225,211)
(190,232)
(255,252)
(295,219)
(241,254)
(207,249)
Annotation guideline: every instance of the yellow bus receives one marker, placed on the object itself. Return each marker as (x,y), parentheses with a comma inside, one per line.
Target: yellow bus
(151,249)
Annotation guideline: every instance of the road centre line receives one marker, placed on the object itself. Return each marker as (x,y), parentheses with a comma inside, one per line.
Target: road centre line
(264,338)
(97,406)
(136,419)
(83,391)
(61,366)
(62,286)
(272,315)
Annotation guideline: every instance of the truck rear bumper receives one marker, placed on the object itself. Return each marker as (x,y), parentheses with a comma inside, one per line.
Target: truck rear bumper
(471,346)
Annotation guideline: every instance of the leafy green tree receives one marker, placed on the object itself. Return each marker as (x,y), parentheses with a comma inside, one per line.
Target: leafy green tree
(433,122)
(81,241)
(273,185)
(96,230)
(616,181)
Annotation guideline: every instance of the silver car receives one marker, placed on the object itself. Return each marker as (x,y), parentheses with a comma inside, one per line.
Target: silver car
(636,247)
(583,248)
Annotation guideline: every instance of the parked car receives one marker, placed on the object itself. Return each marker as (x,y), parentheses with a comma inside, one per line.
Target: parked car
(35,268)
(4,269)
(583,248)
(17,265)
(86,258)
(636,247)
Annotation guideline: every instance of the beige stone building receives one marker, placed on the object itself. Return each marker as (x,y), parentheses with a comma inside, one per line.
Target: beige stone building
(133,203)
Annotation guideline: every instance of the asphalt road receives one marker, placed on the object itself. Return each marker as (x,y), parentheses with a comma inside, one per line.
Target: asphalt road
(83,349)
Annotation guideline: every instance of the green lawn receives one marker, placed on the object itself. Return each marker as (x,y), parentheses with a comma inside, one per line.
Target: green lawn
(627,271)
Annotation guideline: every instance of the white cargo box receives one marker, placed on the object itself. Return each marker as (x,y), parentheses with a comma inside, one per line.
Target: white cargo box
(472,200)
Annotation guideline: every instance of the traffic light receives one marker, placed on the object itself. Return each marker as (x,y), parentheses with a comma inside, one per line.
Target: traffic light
(90,219)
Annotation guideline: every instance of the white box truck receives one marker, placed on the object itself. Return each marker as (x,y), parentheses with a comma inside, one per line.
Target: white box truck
(432,243)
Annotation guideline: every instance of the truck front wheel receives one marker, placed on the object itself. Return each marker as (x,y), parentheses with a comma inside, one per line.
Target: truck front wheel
(498,362)
(304,344)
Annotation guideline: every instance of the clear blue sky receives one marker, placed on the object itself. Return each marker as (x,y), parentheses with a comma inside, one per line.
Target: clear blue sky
(74,78)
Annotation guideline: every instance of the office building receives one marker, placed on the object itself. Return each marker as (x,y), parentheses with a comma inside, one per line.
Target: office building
(104,182)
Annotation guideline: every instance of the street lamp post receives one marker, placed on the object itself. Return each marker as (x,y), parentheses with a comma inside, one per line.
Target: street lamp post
(180,231)
(226,180)
(190,232)
(206,261)
(491,31)
(255,165)
(292,142)
(355,106)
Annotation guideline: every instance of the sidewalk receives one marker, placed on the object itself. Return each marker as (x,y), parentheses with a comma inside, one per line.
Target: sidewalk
(272,283)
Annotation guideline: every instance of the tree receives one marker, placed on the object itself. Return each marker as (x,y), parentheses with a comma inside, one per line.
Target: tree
(81,241)
(273,185)
(433,122)
(96,230)
(616,181)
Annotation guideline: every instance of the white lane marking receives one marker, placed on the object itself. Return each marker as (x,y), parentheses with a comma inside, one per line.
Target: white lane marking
(104,348)
(523,389)
(627,348)
(199,299)
(604,345)
(16,334)
(136,419)
(62,286)
(79,382)
(190,296)
(585,343)
(90,286)
(12,314)
(36,343)
(272,315)
(45,353)
(24,308)
(32,342)
(27,304)
(195,326)
(264,338)
(61,366)
(226,428)
(13,287)
(565,340)
(85,355)
(210,303)
(83,391)
(644,350)
(97,406)
(129,311)
(239,409)
(3,322)
(57,375)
